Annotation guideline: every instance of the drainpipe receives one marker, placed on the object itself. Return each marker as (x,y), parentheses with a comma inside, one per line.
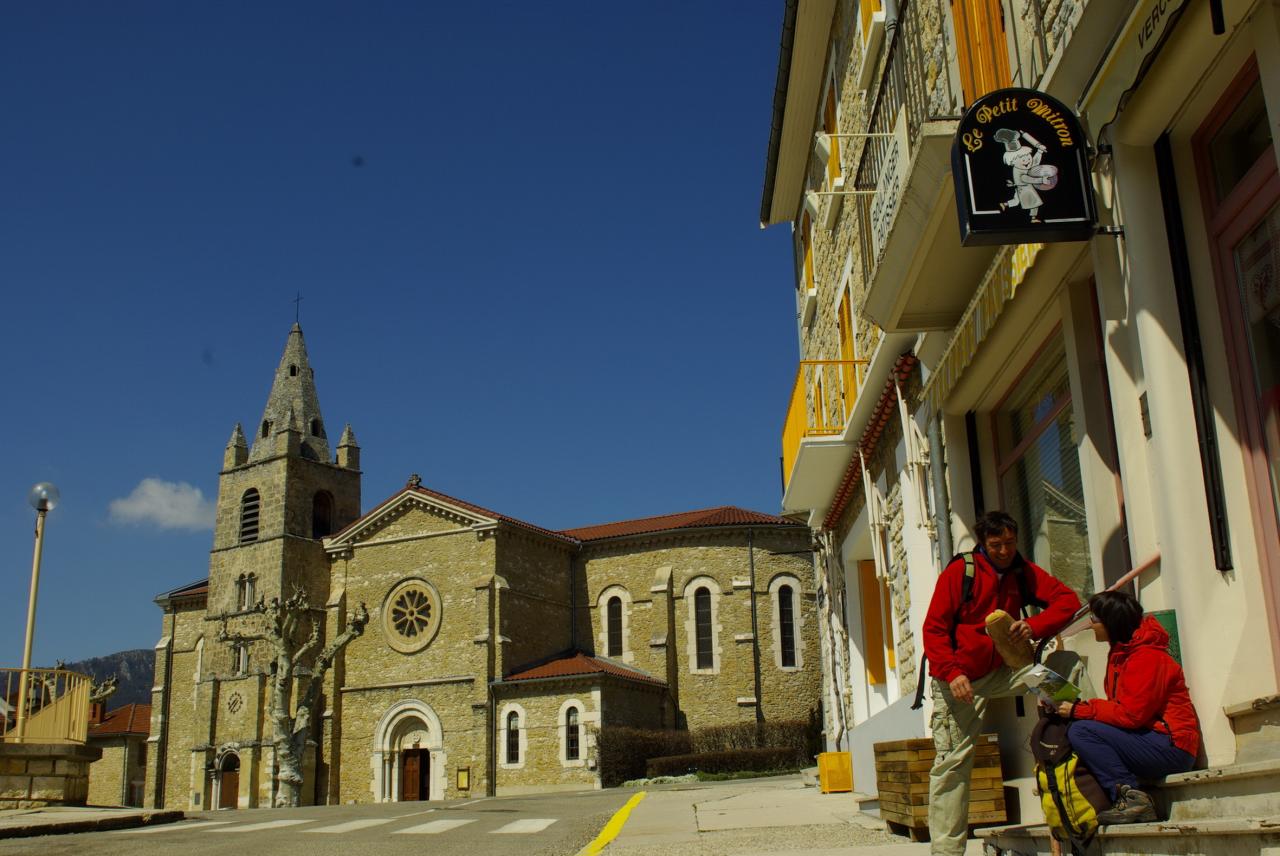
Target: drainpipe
(938,472)
(755,627)
(573,608)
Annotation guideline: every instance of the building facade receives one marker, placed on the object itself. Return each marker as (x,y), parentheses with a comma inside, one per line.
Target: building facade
(119,776)
(494,648)
(1117,395)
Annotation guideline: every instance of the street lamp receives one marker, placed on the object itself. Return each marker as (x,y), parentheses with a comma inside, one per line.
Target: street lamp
(43,497)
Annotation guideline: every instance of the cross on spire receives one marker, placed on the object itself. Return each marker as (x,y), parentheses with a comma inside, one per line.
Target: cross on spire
(297,308)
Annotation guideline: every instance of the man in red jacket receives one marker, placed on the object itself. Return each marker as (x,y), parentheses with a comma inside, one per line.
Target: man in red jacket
(965,667)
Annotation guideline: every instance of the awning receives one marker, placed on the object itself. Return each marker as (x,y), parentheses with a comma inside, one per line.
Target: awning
(1130,54)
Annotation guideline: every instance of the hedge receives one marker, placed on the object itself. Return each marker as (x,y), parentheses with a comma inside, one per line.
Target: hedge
(622,752)
(728,761)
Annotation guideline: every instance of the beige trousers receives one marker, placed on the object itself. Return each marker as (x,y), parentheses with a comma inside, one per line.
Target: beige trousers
(956,727)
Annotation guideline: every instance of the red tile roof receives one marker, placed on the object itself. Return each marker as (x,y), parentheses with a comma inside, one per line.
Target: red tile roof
(130,719)
(724,515)
(578,663)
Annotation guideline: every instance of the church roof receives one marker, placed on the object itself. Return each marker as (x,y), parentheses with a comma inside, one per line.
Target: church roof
(195,589)
(468,506)
(576,663)
(723,515)
(129,719)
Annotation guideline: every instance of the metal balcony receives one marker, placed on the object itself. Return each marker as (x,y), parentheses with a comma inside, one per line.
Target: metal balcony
(814,452)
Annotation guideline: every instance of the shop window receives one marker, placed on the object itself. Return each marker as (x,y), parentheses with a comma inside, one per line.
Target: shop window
(1240,188)
(980,46)
(1038,462)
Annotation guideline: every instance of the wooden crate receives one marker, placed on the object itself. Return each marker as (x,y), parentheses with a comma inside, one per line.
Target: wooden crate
(902,776)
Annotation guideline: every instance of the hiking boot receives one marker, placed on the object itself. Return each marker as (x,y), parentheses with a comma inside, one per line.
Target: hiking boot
(1131,806)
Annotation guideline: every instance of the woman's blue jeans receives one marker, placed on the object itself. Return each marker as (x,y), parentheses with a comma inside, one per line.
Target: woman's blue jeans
(1117,756)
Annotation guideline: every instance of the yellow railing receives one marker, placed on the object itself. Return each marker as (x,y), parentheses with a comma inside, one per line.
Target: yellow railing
(821,401)
(57,703)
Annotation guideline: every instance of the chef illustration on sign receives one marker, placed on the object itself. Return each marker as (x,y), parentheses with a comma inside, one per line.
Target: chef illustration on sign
(1029,175)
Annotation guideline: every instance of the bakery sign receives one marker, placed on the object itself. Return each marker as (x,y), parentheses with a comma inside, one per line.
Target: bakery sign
(1021,171)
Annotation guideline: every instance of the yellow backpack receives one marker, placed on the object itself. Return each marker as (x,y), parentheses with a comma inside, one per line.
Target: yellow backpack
(1069,794)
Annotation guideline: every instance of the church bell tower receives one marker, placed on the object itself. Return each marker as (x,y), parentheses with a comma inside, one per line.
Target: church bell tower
(279,493)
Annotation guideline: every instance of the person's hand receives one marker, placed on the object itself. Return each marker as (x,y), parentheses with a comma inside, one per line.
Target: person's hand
(1019,631)
(1064,709)
(962,689)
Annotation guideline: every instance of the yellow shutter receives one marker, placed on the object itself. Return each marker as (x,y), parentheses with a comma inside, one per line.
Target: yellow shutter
(806,235)
(829,125)
(889,652)
(873,647)
(846,354)
(867,8)
(981,46)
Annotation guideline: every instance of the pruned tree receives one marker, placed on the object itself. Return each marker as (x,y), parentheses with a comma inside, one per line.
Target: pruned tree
(282,627)
(100,692)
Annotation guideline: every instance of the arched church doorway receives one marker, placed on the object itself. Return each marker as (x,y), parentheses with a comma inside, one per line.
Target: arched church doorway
(229,781)
(409,757)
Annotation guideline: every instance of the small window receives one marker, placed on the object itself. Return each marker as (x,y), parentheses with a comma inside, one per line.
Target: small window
(250,505)
(702,619)
(266,427)
(513,738)
(787,626)
(322,514)
(317,428)
(240,657)
(571,750)
(614,618)
(293,371)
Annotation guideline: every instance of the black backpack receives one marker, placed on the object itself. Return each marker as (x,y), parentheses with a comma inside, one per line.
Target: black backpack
(1025,593)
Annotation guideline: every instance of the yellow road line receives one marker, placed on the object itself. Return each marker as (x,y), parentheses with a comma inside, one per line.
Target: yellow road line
(612,828)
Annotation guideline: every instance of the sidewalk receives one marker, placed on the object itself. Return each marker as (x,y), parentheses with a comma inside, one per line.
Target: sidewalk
(51,820)
(778,816)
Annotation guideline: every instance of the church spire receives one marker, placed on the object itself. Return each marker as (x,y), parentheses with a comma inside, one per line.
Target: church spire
(293,402)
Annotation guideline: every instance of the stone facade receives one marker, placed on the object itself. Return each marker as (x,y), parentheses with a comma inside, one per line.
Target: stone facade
(33,775)
(473,617)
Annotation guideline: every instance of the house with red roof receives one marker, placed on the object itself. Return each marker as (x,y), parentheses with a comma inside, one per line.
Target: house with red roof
(495,648)
(118,777)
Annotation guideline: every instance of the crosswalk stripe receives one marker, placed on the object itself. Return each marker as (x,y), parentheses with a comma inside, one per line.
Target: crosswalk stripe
(353,825)
(270,824)
(533,824)
(171,827)
(435,827)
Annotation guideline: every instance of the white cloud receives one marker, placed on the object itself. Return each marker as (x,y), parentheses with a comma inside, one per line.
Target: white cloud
(166,505)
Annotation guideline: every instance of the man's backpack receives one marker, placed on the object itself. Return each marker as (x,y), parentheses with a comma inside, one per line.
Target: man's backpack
(1069,794)
(1025,592)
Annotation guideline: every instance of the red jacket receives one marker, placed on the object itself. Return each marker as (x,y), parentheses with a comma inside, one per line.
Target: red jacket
(974,654)
(1146,689)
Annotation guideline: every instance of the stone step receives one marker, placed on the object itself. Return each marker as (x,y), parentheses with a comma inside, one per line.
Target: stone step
(1256,725)
(1221,837)
(1249,789)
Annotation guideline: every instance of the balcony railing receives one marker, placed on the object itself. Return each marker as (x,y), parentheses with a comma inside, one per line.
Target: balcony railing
(822,400)
(57,706)
(915,87)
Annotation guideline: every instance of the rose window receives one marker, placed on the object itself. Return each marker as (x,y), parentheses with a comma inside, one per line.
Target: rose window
(411,615)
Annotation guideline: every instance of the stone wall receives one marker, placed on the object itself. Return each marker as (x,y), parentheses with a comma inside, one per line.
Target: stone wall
(542,763)
(535,604)
(41,774)
(107,774)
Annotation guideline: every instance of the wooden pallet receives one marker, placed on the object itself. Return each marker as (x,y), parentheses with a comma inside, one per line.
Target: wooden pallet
(902,776)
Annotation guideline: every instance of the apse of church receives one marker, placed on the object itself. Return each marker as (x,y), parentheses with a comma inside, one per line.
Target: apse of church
(495,648)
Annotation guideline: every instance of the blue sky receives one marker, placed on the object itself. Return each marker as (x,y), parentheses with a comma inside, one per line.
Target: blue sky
(544,287)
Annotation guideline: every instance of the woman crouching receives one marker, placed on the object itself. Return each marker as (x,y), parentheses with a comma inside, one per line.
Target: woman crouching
(1146,727)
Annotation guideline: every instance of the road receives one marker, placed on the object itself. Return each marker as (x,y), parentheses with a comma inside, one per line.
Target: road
(536,825)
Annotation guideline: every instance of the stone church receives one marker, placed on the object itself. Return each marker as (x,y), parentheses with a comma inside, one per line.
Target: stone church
(494,647)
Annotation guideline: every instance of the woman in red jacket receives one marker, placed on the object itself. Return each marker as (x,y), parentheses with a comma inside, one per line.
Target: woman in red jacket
(1146,727)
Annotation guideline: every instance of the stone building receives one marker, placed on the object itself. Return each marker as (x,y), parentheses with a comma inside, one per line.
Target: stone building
(1117,394)
(118,777)
(494,648)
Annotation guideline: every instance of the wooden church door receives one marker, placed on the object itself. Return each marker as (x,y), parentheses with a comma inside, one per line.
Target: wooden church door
(414,781)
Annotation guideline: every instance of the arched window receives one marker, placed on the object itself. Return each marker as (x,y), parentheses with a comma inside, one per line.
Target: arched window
(613,616)
(702,621)
(250,504)
(293,371)
(787,626)
(317,428)
(266,427)
(513,738)
(571,746)
(322,514)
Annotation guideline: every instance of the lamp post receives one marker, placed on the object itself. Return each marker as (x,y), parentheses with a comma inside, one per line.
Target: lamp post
(43,497)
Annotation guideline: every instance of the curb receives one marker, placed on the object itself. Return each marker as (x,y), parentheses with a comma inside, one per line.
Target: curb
(99,824)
